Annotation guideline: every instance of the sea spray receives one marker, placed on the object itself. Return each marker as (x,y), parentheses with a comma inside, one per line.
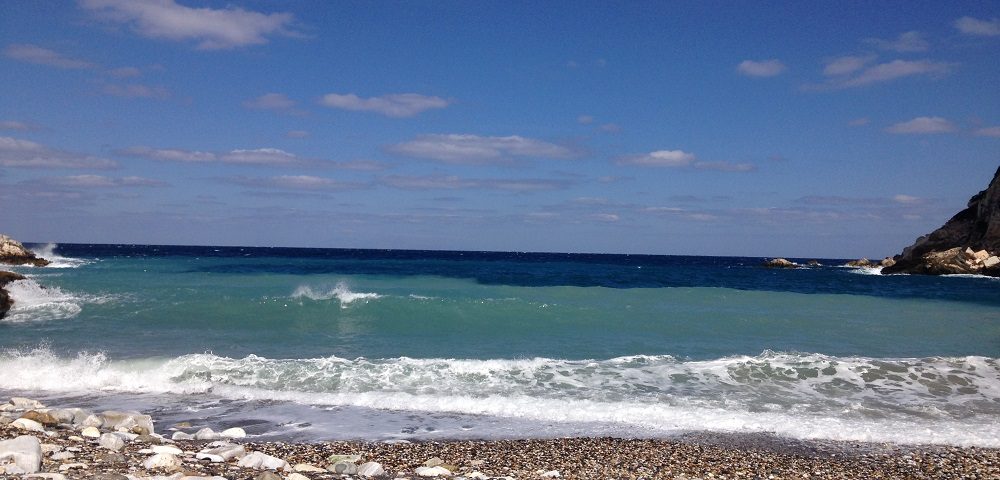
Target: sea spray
(341,292)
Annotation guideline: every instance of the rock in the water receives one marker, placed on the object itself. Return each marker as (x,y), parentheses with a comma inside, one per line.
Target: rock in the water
(29,425)
(12,252)
(164,461)
(859,263)
(780,263)
(21,455)
(371,469)
(21,403)
(235,432)
(133,422)
(111,442)
(977,228)
(262,461)
(5,301)
(206,434)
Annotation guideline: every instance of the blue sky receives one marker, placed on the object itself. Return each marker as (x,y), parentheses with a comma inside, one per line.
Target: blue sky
(826,129)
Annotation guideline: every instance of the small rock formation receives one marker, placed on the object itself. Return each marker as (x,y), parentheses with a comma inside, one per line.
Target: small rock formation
(859,263)
(5,301)
(965,244)
(780,263)
(12,252)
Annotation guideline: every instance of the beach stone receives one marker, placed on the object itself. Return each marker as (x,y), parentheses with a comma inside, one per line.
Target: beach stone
(476,463)
(297,476)
(148,439)
(59,456)
(24,453)
(90,432)
(181,436)
(206,434)
(134,422)
(305,467)
(47,476)
(223,453)
(5,420)
(476,474)
(51,448)
(93,421)
(267,476)
(29,425)
(345,458)
(22,403)
(436,471)
(344,468)
(108,476)
(43,418)
(111,442)
(371,469)
(72,466)
(433,462)
(262,461)
(166,449)
(111,457)
(235,432)
(163,461)
(550,474)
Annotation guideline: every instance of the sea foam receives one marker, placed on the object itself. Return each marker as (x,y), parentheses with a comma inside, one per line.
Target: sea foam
(48,252)
(341,292)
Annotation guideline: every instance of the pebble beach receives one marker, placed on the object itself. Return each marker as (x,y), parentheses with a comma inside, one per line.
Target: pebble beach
(39,441)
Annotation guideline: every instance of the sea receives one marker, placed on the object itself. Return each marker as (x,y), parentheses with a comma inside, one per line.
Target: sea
(393,345)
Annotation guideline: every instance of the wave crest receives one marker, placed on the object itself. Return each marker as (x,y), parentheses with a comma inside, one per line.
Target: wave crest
(48,252)
(341,292)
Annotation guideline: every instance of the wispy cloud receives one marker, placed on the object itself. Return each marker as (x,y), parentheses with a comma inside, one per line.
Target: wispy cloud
(135,90)
(297,134)
(125,72)
(761,68)
(923,125)
(912,41)
(294,182)
(846,65)
(259,156)
(270,101)
(884,72)
(397,105)
(682,159)
(478,150)
(452,182)
(859,122)
(988,132)
(42,56)
(17,153)
(974,26)
(211,29)
(18,126)
(100,181)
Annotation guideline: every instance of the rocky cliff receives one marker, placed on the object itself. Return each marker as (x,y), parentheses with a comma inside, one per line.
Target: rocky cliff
(13,253)
(968,243)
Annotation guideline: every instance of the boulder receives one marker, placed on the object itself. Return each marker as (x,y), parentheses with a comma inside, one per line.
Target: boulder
(859,263)
(437,471)
(20,455)
(45,418)
(111,442)
(164,461)
(206,434)
(90,432)
(308,467)
(12,252)
(235,432)
(223,453)
(22,404)
(134,422)
(887,262)
(780,263)
(976,228)
(29,425)
(371,469)
(262,461)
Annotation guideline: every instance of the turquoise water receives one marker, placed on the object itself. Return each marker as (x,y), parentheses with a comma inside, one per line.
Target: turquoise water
(318,344)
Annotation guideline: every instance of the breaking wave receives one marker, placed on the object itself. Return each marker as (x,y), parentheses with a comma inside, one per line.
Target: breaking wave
(48,252)
(341,292)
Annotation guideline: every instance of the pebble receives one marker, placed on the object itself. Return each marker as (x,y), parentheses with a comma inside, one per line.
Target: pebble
(166,449)
(71,466)
(163,461)
(297,476)
(59,456)
(436,471)
(261,461)
(307,467)
(28,424)
(90,432)
(371,469)
(111,442)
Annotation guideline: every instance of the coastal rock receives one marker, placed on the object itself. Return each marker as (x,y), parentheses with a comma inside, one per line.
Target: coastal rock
(780,263)
(45,418)
(133,422)
(20,455)
(887,262)
(437,471)
(29,425)
(976,228)
(235,432)
(371,469)
(111,442)
(206,434)
(22,404)
(90,432)
(164,461)
(222,453)
(5,301)
(12,252)
(262,461)
(860,263)
(181,436)
(344,468)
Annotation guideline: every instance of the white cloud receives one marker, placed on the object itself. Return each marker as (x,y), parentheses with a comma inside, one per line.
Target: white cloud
(16,125)
(974,26)
(125,72)
(912,41)
(762,68)
(452,182)
(135,90)
(885,72)
(293,182)
(846,65)
(270,101)
(906,199)
(660,158)
(921,125)
(605,217)
(100,181)
(475,149)
(212,29)
(43,56)
(17,153)
(170,154)
(397,105)
(988,132)
(260,156)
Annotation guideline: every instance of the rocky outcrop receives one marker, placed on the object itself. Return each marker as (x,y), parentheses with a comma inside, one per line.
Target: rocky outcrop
(780,263)
(12,252)
(5,301)
(958,244)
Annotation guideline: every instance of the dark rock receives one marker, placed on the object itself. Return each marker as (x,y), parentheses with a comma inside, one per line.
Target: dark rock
(976,227)
(12,252)
(5,301)
(860,263)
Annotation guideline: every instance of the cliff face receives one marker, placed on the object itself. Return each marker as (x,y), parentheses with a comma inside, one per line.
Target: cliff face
(13,253)
(976,228)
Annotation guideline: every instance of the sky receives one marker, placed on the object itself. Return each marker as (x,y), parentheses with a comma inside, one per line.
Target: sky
(802,129)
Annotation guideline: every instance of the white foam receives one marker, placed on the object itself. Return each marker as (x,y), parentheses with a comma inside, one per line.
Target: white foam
(48,252)
(866,270)
(806,396)
(33,302)
(341,292)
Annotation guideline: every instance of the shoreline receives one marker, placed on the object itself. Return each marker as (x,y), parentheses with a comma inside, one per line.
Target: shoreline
(118,451)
